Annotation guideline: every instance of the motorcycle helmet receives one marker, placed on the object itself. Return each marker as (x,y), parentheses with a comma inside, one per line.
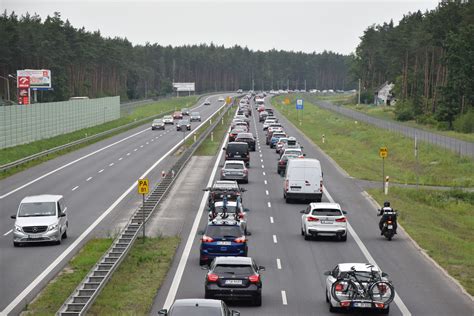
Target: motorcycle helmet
(386,204)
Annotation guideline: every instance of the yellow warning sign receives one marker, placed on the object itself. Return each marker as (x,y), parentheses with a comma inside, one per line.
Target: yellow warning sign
(143,186)
(287,101)
(383,152)
(228,100)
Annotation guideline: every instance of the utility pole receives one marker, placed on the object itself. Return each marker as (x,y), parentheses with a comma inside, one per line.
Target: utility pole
(358,102)
(253,85)
(287,84)
(305,85)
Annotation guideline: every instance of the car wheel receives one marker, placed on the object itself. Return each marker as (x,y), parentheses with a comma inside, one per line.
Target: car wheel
(306,236)
(333,309)
(343,238)
(16,244)
(302,231)
(258,301)
(327,298)
(385,311)
(202,262)
(208,296)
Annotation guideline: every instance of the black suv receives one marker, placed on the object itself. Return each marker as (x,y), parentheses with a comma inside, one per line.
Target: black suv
(234,278)
(246,138)
(237,151)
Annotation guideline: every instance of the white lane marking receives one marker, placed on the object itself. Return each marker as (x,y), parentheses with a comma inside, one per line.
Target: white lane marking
(259,150)
(8,232)
(401,306)
(261,160)
(147,143)
(21,297)
(128,154)
(271,219)
(263,167)
(89,179)
(283,298)
(75,188)
(101,170)
(152,139)
(192,234)
(120,158)
(141,146)
(69,164)
(261,156)
(278,264)
(264,173)
(266,192)
(111,164)
(265,181)
(135,149)
(275,239)
(269,204)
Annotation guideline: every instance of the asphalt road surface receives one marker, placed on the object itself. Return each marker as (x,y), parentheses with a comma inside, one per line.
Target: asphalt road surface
(293,283)
(98,183)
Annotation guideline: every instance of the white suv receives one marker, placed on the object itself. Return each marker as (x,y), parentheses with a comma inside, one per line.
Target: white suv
(324,219)
(40,218)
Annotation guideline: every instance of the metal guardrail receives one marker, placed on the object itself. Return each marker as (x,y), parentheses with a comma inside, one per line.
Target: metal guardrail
(47,152)
(90,287)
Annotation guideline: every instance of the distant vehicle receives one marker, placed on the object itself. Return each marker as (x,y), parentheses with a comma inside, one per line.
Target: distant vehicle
(168,119)
(262,116)
(279,145)
(303,180)
(235,278)
(324,219)
(240,91)
(185,111)
(78,98)
(195,116)
(40,218)
(237,151)
(221,99)
(183,123)
(177,115)
(229,189)
(247,138)
(235,170)
(198,307)
(267,123)
(283,161)
(275,137)
(158,124)
(235,131)
(207,102)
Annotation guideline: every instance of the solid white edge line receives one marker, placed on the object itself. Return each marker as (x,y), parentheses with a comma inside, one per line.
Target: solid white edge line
(8,232)
(21,297)
(275,239)
(398,301)
(192,234)
(283,298)
(278,263)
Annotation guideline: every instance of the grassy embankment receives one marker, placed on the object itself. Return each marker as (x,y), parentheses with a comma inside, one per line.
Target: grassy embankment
(355,146)
(132,287)
(14,153)
(439,221)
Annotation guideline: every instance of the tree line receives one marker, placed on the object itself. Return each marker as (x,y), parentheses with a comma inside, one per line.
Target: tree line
(430,58)
(85,63)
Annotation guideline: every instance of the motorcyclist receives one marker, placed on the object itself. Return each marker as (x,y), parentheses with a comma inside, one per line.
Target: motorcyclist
(386,212)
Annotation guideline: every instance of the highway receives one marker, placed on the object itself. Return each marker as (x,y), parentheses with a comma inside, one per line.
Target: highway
(98,183)
(293,283)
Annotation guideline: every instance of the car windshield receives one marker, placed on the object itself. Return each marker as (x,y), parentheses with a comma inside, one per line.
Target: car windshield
(168,117)
(233,269)
(195,311)
(195,114)
(224,231)
(37,209)
(157,121)
(234,166)
(326,212)
(293,152)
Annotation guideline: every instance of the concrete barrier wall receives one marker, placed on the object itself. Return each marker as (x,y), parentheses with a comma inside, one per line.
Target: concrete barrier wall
(22,124)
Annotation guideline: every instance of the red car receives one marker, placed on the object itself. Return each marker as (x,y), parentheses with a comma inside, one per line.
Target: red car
(178,115)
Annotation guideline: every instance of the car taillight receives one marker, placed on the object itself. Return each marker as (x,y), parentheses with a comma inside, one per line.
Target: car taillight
(240,240)
(341,220)
(379,305)
(254,278)
(312,219)
(211,277)
(345,303)
(339,287)
(286,185)
(382,288)
(207,239)
(241,215)
(281,162)
(321,186)
(246,171)
(389,222)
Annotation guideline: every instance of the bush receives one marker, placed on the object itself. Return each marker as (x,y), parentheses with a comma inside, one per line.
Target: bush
(404,111)
(427,119)
(464,123)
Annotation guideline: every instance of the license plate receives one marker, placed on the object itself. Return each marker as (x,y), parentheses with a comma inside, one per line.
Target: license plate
(233,282)
(390,226)
(295,189)
(34,236)
(363,305)
(327,222)
(224,243)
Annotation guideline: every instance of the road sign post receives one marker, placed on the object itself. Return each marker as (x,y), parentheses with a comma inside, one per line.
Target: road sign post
(143,189)
(299,106)
(383,153)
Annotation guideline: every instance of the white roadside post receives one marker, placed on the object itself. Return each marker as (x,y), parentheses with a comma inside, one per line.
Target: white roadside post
(387,180)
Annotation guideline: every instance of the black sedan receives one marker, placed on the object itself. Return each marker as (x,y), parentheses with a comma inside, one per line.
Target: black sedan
(246,138)
(183,125)
(234,278)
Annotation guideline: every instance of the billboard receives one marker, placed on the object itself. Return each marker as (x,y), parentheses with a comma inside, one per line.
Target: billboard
(183,86)
(39,78)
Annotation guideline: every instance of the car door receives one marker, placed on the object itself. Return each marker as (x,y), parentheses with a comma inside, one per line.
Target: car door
(62,208)
(305,214)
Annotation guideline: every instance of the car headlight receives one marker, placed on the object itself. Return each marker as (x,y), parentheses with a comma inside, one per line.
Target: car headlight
(52,227)
(18,228)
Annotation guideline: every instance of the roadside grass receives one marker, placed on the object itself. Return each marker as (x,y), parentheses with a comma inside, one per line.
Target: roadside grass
(133,286)
(14,153)
(441,222)
(336,98)
(354,146)
(210,147)
(58,290)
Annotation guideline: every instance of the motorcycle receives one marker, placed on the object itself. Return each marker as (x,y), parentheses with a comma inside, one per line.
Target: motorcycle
(388,226)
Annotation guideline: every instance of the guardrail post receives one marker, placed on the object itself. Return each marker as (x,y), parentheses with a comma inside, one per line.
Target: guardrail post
(212,136)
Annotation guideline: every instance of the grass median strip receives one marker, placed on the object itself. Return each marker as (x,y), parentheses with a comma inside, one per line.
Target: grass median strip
(133,286)
(441,222)
(140,112)
(58,290)
(354,146)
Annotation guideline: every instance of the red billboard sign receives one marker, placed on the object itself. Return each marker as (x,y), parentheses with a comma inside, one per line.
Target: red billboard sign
(23,82)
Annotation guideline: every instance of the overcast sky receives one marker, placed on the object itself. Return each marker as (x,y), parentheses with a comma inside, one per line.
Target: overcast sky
(306,26)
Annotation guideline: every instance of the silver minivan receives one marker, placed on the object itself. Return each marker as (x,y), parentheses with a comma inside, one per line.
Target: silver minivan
(40,218)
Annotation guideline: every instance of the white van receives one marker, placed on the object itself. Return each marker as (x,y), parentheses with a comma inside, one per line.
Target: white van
(303,180)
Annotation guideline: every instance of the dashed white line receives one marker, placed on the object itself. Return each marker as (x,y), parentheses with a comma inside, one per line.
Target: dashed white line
(146,143)
(8,232)
(141,146)
(271,219)
(89,179)
(261,156)
(135,149)
(278,264)
(128,154)
(269,204)
(266,192)
(264,173)
(263,167)
(261,160)
(283,298)
(120,158)
(275,239)
(75,188)
(101,170)
(111,164)
(265,181)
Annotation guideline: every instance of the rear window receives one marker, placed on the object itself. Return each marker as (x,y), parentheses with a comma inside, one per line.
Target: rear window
(195,113)
(326,212)
(195,311)
(241,148)
(233,269)
(234,166)
(223,231)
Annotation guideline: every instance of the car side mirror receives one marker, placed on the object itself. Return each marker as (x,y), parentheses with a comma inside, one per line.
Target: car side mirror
(304,155)
(246,210)
(13,216)
(344,212)
(201,232)
(261,268)
(384,274)
(223,148)
(328,273)
(235,313)
(62,214)
(302,211)
(163,312)
(248,233)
